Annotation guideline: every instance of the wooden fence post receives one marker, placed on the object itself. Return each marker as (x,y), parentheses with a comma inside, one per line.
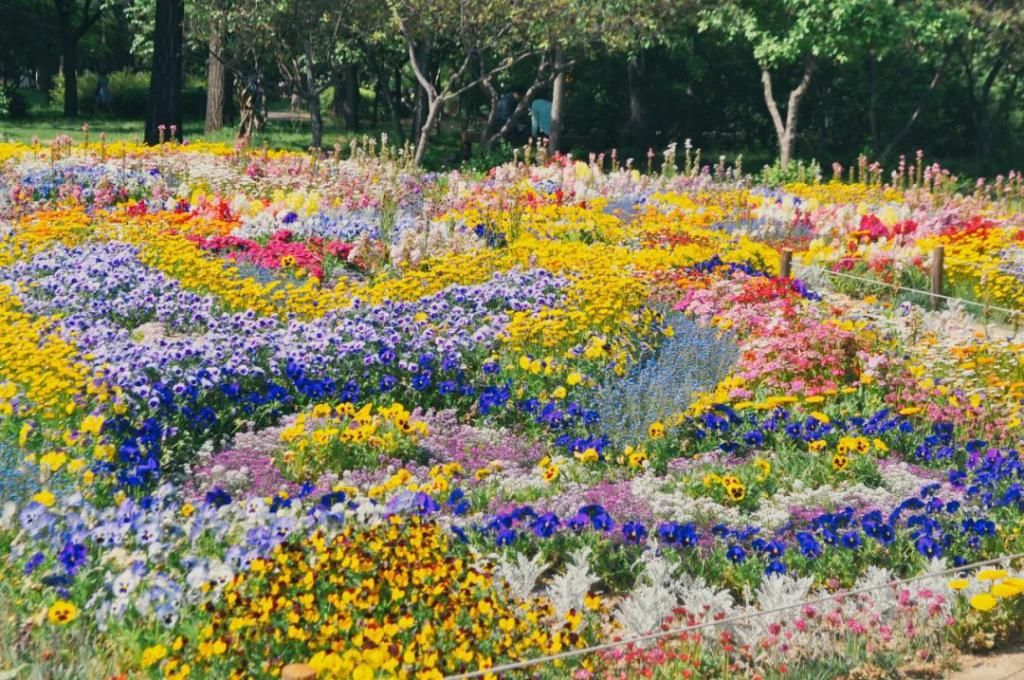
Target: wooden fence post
(937,260)
(298,671)
(786,263)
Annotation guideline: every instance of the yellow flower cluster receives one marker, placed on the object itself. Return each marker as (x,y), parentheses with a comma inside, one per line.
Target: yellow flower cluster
(338,437)
(1002,587)
(392,601)
(40,230)
(42,369)
(835,192)
(179,257)
(439,481)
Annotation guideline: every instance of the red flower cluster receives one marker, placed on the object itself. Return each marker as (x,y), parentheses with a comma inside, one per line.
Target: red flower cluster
(976,227)
(872,229)
(280,251)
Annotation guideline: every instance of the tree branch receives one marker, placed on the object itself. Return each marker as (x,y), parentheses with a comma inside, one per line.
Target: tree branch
(905,130)
(769,98)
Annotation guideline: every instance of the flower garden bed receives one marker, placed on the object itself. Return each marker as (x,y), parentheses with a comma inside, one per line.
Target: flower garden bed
(262,409)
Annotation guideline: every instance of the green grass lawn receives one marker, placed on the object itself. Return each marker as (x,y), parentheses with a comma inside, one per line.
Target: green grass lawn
(278,134)
(443,153)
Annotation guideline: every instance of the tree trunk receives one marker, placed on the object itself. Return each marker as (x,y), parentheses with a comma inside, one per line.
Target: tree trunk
(873,100)
(421,112)
(350,104)
(214,86)
(246,110)
(491,127)
(428,125)
(69,55)
(636,69)
(316,121)
(338,100)
(905,130)
(165,79)
(392,100)
(557,101)
(375,111)
(786,132)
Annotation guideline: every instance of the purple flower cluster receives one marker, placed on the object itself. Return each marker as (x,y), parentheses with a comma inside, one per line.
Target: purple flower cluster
(208,368)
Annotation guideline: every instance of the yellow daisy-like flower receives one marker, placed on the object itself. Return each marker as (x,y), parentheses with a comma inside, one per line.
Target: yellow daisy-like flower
(991,574)
(958,584)
(1004,590)
(983,602)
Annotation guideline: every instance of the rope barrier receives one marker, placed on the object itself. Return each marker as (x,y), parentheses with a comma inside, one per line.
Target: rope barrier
(721,622)
(854,277)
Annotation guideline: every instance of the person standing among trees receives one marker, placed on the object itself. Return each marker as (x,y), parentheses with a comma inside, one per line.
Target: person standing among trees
(504,111)
(540,118)
(103,98)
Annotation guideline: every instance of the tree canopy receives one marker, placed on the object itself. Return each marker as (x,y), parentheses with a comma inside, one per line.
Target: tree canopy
(789,78)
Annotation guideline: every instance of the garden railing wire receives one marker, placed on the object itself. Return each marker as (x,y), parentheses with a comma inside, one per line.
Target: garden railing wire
(672,632)
(906,289)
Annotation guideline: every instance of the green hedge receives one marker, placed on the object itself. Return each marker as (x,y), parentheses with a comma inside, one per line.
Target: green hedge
(129,92)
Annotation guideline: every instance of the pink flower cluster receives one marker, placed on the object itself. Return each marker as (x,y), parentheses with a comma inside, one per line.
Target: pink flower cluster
(783,345)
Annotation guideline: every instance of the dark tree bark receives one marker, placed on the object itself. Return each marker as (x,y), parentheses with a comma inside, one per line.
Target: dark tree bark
(873,100)
(897,139)
(338,100)
(165,79)
(70,35)
(980,95)
(377,94)
(557,101)
(69,55)
(350,104)
(636,72)
(316,121)
(384,90)
(215,86)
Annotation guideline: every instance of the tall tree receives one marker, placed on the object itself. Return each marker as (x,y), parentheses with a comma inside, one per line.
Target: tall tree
(215,81)
(561,74)
(470,41)
(784,34)
(306,36)
(73,20)
(991,55)
(631,29)
(163,117)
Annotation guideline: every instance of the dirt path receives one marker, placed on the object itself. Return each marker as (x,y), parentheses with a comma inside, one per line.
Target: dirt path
(1007,665)
(294,116)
